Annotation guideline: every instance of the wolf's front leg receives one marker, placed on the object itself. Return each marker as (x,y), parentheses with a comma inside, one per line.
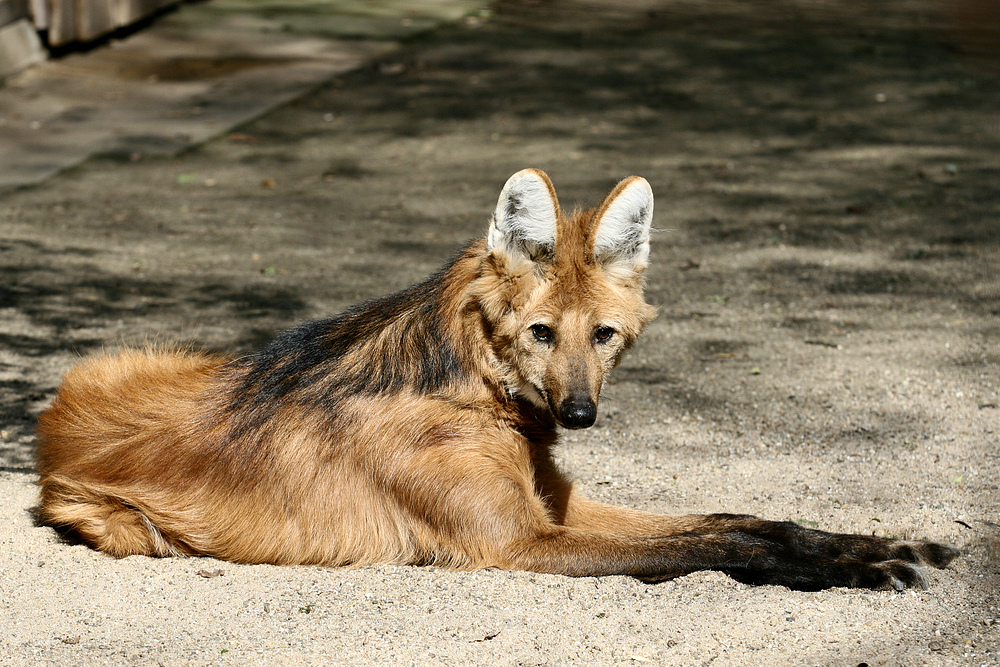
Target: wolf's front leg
(748,558)
(782,552)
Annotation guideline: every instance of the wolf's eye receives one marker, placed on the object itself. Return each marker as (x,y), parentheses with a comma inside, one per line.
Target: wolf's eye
(603,334)
(542,333)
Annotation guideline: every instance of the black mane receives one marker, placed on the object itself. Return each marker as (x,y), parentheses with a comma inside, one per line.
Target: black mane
(411,351)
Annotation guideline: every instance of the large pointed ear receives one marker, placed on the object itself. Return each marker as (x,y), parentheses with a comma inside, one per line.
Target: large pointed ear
(524,223)
(622,225)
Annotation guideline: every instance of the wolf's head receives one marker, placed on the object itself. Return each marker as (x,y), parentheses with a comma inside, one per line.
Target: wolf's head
(563,294)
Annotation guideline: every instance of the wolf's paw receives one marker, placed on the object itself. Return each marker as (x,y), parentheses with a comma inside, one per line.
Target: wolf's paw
(934,554)
(807,543)
(891,574)
(824,573)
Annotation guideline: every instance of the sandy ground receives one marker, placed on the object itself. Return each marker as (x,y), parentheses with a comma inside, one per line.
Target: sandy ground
(827,349)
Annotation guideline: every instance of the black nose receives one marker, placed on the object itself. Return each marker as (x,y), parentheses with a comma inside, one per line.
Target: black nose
(577,413)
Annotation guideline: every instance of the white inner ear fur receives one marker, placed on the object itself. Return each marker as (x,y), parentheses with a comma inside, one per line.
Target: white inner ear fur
(623,231)
(524,222)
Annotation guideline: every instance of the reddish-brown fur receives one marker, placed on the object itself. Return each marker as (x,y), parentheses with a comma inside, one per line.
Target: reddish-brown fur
(415,429)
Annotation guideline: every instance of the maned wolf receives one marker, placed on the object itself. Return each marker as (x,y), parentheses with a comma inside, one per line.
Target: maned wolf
(417,428)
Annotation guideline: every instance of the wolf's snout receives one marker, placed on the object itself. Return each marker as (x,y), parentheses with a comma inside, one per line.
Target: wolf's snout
(577,413)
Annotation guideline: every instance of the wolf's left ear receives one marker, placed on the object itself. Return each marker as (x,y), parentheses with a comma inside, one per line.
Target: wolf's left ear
(524,223)
(622,224)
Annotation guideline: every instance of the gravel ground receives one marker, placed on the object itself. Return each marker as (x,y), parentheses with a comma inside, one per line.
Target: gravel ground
(827,349)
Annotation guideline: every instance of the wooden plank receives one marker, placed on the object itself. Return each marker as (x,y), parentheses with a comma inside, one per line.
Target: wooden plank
(130,11)
(86,20)
(39,12)
(62,22)
(19,47)
(94,18)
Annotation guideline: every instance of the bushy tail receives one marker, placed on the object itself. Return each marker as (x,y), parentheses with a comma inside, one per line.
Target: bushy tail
(105,519)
